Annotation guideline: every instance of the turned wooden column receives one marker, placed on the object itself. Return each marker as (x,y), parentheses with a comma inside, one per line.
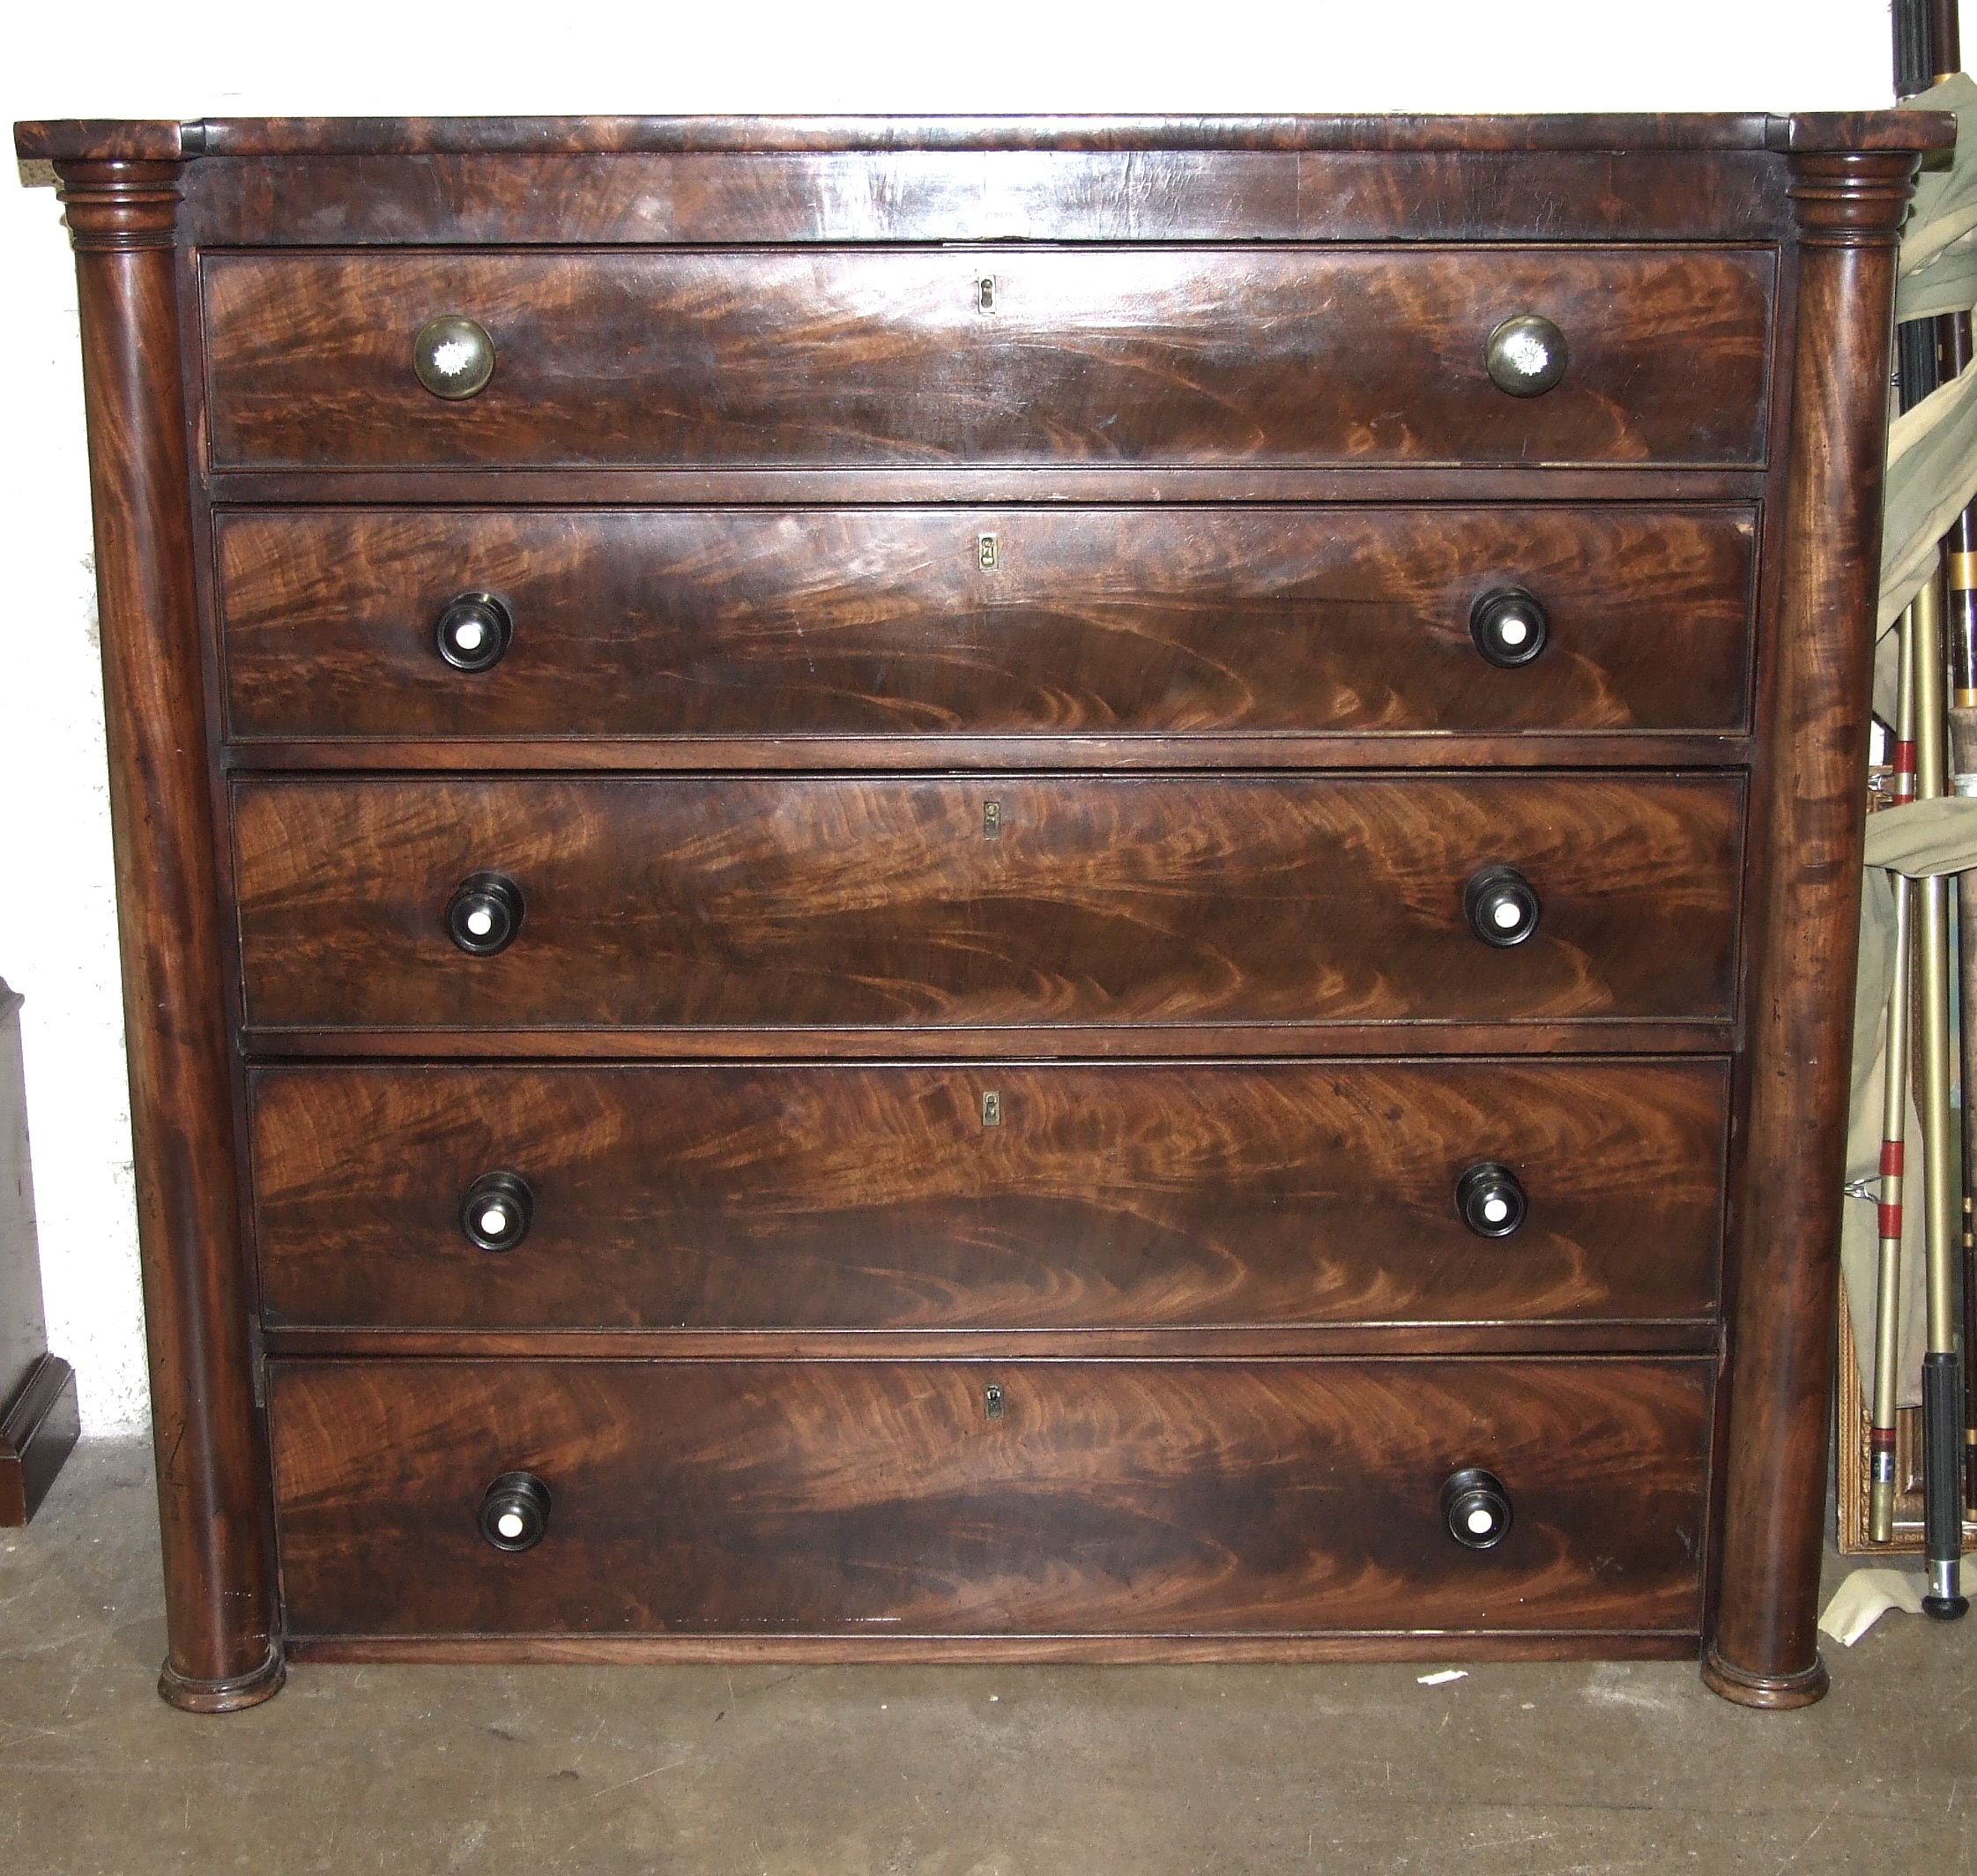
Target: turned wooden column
(213,1493)
(1802,926)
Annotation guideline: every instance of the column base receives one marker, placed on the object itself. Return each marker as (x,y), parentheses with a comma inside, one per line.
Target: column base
(1773,1692)
(224,1696)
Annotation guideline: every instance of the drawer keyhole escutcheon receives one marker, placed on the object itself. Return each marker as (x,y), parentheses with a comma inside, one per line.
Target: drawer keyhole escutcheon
(1501,905)
(496,1212)
(991,820)
(993,1404)
(1476,1507)
(988,551)
(473,630)
(984,293)
(991,1109)
(514,1512)
(484,913)
(1492,1200)
(1509,626)
(1527,355)
(453,357)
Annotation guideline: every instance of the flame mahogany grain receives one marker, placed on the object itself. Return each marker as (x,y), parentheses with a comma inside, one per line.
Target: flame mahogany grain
(711,905)
(1119,1498)
(1122,1196)
(877,622)
(224,1621)
(1229,420)
(1803,896)
(880,356)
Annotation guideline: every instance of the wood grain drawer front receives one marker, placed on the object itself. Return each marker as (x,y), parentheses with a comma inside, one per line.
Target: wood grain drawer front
(989,1196)
(855,357)
(875,1499)
(781,903)
(887,622)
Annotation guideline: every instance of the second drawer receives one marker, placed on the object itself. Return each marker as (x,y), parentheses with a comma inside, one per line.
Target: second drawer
(987,1197)
(1175,621)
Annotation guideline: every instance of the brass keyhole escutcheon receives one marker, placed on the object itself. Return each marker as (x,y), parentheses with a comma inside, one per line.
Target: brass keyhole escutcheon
(992,1403)
(984,293)
(991,1109)
(991,820)
(988,551)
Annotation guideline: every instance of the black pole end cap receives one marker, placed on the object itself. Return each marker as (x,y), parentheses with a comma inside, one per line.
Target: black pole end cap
(1946,1608)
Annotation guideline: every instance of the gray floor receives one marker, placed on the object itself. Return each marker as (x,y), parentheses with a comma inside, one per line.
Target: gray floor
(938,1772)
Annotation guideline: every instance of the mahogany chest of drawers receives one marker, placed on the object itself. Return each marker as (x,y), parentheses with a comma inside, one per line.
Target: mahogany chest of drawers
(988,889)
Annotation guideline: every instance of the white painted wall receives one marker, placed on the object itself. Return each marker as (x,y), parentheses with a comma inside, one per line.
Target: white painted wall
(419,57)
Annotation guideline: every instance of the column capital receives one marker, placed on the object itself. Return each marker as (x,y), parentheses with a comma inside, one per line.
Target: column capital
(1851,198)
(113,206)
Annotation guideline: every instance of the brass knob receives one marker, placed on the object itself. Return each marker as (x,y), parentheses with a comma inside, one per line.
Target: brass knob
(1502,906)
(1527,355)
(514,1512)
(1509,626)
(1476,1507)
(473,631)
(496,1211)
(484,913)
(1492,1200)
(453,356)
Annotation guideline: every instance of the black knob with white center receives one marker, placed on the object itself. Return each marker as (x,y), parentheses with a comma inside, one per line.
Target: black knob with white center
(495,1213)
(514,1512)
(472,631)
(1476,1507)
(1509,626)
(1490,1200)
(1501,905)
(484,913)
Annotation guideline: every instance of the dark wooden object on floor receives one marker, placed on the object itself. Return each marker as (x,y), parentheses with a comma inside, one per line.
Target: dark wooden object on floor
(38,1419)
(970,888)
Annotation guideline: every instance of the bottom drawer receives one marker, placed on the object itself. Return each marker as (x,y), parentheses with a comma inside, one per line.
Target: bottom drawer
(932,1499)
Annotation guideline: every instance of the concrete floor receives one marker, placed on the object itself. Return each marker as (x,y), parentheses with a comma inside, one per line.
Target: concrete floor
(938,1771)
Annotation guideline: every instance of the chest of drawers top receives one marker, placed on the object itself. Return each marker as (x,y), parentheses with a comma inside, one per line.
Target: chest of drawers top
(1116,308)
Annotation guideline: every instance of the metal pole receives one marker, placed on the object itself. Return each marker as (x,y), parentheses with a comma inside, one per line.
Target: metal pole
(1894,1132)
(1942,1429)
(1960,565)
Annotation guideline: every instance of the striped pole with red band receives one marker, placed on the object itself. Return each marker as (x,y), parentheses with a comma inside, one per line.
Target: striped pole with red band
(1894,1136)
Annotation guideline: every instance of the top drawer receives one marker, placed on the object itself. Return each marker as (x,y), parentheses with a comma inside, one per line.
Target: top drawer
(899,357)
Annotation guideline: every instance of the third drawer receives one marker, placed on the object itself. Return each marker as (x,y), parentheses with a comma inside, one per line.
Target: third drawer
(1031,905)
(988,1196)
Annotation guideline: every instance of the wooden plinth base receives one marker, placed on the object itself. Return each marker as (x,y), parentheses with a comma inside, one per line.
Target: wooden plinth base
(38,1430)
(1773,1692)
(223,1696)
